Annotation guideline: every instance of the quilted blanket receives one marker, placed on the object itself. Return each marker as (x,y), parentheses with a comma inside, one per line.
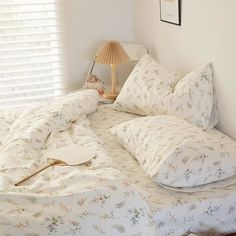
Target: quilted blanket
(93,199)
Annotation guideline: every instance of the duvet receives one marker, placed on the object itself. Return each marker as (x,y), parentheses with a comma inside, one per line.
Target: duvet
(93,199)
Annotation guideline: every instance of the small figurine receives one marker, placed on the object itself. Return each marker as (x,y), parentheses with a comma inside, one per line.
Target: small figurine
(94,83)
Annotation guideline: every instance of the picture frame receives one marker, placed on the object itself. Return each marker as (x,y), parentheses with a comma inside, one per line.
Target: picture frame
(170,11)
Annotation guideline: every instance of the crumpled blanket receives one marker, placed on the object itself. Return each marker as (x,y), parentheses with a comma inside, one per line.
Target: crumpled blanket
(63,200)
(22,147)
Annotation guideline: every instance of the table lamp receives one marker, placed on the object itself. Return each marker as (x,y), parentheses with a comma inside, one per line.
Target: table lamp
(112,53)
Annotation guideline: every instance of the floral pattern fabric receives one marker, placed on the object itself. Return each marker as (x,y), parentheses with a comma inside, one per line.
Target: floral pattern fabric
(176,213)
(92,199)
(152,90)
(110,196)
(28,134)
(175,153)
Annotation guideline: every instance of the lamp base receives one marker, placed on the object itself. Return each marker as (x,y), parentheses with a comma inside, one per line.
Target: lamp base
(112,96)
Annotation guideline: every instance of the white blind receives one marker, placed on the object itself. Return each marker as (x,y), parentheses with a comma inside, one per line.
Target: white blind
(30,52)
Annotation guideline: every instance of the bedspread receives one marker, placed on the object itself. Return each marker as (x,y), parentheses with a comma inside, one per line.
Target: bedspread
(94,199)
(110,196)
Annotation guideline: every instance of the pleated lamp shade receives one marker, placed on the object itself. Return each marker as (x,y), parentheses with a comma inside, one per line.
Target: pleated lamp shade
(112,53)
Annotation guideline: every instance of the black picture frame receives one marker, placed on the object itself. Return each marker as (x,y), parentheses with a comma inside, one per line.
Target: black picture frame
(166,19)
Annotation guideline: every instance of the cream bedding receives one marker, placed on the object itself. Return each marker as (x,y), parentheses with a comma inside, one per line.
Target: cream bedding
(94,199)
(175,213)
(111,196)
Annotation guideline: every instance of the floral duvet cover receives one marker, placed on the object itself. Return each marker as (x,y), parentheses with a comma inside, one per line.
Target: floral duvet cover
(94,199)
(110,196)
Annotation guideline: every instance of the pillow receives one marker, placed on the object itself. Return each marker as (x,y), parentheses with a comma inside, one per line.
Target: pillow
(152,90)
(175,153)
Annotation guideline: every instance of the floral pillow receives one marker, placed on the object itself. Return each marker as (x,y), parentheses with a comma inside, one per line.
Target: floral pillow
(175,153)
(152,90)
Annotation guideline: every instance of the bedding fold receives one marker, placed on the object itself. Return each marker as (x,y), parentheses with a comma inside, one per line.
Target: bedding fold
(21,149)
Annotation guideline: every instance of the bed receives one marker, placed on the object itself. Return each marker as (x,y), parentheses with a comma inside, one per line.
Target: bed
(110,195)
(61,209)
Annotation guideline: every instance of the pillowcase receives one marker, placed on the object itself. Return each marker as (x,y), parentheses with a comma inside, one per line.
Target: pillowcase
(175,153)
(152,90)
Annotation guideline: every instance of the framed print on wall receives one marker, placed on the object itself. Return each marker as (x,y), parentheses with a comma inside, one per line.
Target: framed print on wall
(170,11)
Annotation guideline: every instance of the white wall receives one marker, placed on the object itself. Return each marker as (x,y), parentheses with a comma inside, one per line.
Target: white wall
(89,23)
(208,33)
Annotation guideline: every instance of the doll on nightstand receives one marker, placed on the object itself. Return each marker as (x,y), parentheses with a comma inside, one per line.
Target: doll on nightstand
(94,83)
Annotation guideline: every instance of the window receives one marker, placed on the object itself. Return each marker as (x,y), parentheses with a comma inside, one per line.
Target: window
(30,52)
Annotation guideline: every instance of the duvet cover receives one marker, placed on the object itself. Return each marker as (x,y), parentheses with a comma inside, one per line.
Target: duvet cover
(93,199)
(109,196)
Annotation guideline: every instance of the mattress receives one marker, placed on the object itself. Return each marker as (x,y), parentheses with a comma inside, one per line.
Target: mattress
(210,209)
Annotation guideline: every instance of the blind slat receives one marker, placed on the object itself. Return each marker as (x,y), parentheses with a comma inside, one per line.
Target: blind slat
(30,70)
(18,20)
(25,12)
(33,98)
(31,84)
(28,3)
(30,91)
(22,78)
(30,56)
(39,63)
(28,27)
(28,49)
(28,41)
(30,34)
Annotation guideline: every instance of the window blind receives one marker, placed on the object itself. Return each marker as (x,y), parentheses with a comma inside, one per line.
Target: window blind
(30,52)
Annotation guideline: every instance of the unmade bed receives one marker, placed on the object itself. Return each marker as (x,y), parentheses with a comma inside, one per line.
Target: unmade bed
(119,193)
(111,196)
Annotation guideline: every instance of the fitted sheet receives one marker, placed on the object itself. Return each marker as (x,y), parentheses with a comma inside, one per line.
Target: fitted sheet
(175,212)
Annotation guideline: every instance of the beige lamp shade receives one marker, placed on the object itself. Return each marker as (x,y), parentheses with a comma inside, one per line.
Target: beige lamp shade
(112,53)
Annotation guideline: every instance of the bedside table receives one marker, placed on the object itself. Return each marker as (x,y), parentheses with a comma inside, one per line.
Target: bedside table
(103,100)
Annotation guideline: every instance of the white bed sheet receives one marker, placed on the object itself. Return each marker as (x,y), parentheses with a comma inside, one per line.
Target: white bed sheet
(175,213)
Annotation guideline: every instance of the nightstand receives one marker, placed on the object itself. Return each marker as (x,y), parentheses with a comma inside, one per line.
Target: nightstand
(103,100)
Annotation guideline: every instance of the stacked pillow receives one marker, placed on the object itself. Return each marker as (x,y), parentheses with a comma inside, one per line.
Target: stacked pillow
(173,148)
(152,90)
